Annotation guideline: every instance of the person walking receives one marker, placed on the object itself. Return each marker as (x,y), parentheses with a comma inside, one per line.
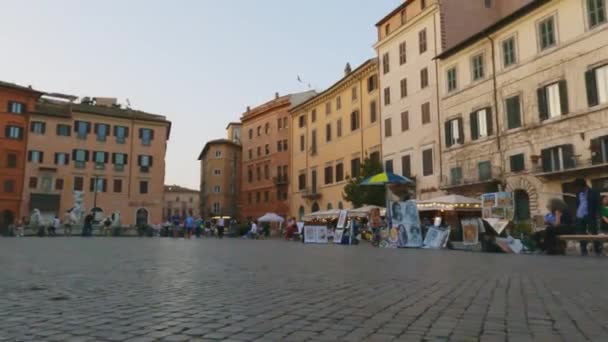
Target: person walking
(55,225)
(198,227)
(587,214)
(220,228)
(87,229)
(189,226)
(253,232)
(20,227)
(107,227)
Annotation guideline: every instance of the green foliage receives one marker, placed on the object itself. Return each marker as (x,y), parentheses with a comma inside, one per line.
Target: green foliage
(360,195)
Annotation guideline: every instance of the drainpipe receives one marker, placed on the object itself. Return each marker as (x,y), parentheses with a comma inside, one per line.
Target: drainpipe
(496,116)
(438,102)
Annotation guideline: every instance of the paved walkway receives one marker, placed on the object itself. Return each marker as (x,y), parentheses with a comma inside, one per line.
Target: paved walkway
(176,290)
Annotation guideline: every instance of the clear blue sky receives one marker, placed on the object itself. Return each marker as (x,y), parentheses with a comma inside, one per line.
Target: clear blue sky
(200,63)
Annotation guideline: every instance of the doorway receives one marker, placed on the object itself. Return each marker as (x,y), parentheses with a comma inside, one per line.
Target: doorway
(141,217)
(522,206)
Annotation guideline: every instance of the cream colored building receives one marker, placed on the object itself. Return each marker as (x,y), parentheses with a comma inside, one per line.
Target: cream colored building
(409,38)
(180,201)
(524,105)
(331,134)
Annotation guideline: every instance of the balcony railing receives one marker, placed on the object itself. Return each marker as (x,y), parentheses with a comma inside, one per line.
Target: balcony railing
(280,180)
(471,177)
(311,194)
(579,164)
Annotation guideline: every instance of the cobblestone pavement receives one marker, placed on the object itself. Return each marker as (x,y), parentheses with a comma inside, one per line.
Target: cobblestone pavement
(176,290)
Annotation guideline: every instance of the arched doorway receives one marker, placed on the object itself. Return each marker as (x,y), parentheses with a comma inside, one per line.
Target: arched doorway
(141,217)
(329,206)
(315,207)
(300,213)
(522,206)
(340,205)
(6,219)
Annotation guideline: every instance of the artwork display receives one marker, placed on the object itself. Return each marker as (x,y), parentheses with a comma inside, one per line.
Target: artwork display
(436,237)
(470,231)
(315,234)
(338,236)
(499,213)
(321,234)
(510,245)
(390,238)
(342,219)
(405,220)
(488,200)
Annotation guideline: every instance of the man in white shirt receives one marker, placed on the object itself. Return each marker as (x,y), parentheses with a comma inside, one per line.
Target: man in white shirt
(253,232)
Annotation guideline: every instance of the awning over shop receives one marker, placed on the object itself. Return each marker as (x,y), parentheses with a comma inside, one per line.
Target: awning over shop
(450,202)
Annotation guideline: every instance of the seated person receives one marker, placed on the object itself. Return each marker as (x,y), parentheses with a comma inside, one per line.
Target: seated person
(253,232)
(558,222)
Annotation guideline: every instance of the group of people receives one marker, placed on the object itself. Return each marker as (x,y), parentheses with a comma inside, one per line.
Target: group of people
(191,226)
(591,217)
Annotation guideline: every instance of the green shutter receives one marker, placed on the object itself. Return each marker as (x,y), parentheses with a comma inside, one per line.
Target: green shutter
(596,151)
(474,126)
(563,96)
(591,83)
(460,131)
(448,133)
(513,112)
(543,107)
(546,160)
(568,155)
(489,122)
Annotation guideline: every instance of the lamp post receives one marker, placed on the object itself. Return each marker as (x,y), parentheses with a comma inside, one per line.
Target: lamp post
(95,196)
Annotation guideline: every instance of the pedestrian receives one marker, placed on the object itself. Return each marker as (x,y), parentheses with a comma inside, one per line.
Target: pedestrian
(20,227)
(220,228)
(55,225)
(587,214)
(253,231)
(87,229)
(175,227)
(107,227)
(67,224)
(188,227)
(604,215)
(198,227)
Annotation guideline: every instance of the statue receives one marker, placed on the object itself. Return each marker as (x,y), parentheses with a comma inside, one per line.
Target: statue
(36,222)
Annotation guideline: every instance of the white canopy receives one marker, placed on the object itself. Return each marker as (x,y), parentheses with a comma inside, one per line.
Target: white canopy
(271,217)
(449,202)
(365,211)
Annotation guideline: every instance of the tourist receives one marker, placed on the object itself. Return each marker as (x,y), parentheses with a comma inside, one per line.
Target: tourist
(587,213)
(292,228)
(198,226)
(20,227)
(188,226)
(175,220)
(67,224)
(558,223)
(55,225)
(253,231)
(604,215)
(87,229)
(107,227)
(220,228)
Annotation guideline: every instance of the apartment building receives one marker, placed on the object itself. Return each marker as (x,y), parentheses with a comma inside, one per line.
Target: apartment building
(15,103)
(409,38)
(524,105)
(266,151)
(221,175)
(332,133)
(110,158)
(180,201)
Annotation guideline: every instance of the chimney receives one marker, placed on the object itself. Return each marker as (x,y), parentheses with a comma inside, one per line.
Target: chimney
(276,95)
(248,109)
(347,69)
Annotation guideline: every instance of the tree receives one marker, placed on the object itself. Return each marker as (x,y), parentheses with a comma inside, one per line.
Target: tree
(360,195)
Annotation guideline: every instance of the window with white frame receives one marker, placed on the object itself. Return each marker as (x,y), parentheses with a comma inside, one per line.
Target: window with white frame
(217,172)
(218,154)
(596,12)
(546,33)
(216,208)
(452,82)
(509,56)
(16,107)
(477,67)
(596,80)
(453,132)
(481,123)
(553,100)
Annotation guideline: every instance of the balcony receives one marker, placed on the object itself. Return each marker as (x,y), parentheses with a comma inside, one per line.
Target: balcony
(311,194)
(100,166)
(579,167)
(472,178)
(280,180)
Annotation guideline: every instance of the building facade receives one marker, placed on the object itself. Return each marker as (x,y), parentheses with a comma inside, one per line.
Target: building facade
(180,201)
(331,134)
(15,103)
(266,150)
(221,176)
(525,105)
(409,38)
(108,158)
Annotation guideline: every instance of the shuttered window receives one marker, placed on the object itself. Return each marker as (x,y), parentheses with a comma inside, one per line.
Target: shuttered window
(517,162)
(454,132)
(406,166)
(485,170)
(513,108)
(481,123)
(558,158)
(427,162)
(553,100)
(456,175)
(405,121)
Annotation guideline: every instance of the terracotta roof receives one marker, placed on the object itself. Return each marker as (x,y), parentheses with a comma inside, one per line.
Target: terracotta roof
(395,11)
(216,142)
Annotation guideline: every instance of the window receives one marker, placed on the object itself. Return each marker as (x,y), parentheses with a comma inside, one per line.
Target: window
(558,158)
(249,197)
(402,54)
(16,107)
(259,150)
(217,172)
(119,160)
(11,160)
(355,167)
(385,63)
(338,103)
(513,109)
(216,208)
(58,184)
(405,121)
(117,186)
(425,109)
(302,143)
(484,170)
(488,3)
(328,132)
(302,121)
(267,149)
(451,79)
(266,196)
(327,108)
(80,157)
(100,158)
(102,131)
(250,175)
(266,171)
(388,166)
(404,88)
(279,124)
(422,41)
(597,85)
(64,130)
(35,156)
(372,83)
(279,146)
(477,66)
(546,33)
(339,128)
(596,12)
(456,175)
(61,158)
(406,166)
(375,157)
(313,142)
(285,124)
(599,150)
(143,187)
(33,183)
(121,133)
(146,135)
(302,181)
(553,100)
(422,4)
(313,115)
(509,56)
(82,128)
(13,132)
(424,78)
(78,184)
(37,127)
(145,163)
(339,172)
(387,29)
(354,121)
(266,128)
(250,153)
(216,189)
(354,93)
(251,133)
(373,111)
(9,186)
(427,162)
(454,132)
(517,162)
(388,128)
(259,130)
(481,123)
(387,96)
(329,175)
(403,17)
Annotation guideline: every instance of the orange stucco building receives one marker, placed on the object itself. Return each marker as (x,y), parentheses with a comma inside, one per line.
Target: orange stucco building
(15,103)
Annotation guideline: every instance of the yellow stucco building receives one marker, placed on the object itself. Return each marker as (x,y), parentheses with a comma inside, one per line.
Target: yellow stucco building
(331,134)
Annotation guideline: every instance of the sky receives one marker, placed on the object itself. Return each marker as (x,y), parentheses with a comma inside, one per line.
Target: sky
(198,62)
